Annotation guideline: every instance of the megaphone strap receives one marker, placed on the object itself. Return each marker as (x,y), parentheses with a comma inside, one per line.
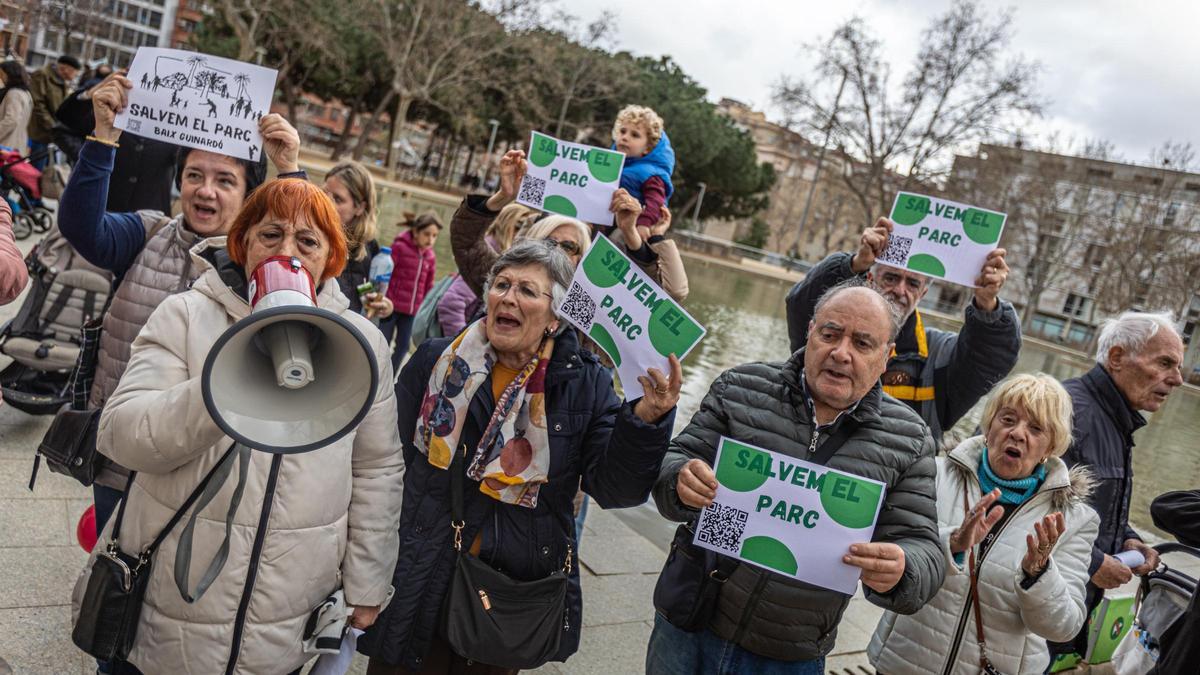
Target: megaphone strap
(183,552)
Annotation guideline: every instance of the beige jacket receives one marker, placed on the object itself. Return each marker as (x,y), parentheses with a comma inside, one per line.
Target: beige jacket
(15,112)
(1016,621)
(331,519)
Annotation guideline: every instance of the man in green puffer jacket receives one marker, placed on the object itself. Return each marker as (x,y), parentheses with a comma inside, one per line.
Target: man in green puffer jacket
(765,622)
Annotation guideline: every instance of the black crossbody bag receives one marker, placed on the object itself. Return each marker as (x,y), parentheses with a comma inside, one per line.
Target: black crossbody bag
(116,586)
(691,579)
(492,618)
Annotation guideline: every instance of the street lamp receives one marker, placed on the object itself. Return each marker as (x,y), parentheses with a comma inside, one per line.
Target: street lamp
(699,200)
(487,174)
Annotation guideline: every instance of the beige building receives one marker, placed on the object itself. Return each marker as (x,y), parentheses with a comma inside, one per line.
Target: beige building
(1087,238)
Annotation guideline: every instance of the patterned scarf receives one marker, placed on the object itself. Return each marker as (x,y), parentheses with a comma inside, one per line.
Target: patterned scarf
(513,457)
(1012,492)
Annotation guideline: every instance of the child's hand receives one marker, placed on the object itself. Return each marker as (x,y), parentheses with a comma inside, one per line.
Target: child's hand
(512,171)
(664,223)
(627,209)
(644,232)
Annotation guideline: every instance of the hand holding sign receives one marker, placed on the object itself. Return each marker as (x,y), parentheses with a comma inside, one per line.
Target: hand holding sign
(882,564)
(659,394)
(871,245)
(281,142)
(512,171)
(991,280)
(109,98)
(696,485)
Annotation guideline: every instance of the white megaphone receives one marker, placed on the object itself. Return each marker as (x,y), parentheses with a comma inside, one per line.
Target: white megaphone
(291,377)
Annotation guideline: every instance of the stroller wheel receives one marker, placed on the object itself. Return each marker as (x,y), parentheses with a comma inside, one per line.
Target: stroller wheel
(22,226)
(42,219)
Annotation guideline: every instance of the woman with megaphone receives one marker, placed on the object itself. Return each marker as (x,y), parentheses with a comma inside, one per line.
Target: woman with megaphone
(273,534)
(500,425)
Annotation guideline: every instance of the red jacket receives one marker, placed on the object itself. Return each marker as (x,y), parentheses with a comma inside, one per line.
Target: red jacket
(412,276)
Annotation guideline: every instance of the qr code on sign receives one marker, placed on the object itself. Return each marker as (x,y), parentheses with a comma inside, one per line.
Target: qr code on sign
(578,306)
(897,250)
(533,190)
(722,527)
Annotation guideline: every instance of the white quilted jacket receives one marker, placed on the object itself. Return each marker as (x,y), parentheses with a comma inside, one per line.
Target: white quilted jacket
(330,520)
(940,637)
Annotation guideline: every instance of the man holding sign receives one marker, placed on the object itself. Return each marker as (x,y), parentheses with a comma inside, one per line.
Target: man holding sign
(939,374)
(826,393)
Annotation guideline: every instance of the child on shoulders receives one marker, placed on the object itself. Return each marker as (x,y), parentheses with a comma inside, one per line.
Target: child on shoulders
(649,161)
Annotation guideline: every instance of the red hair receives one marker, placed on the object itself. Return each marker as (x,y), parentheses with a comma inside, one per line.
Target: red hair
(291,200)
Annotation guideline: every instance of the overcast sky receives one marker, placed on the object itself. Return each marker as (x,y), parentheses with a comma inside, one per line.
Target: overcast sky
(1128,72)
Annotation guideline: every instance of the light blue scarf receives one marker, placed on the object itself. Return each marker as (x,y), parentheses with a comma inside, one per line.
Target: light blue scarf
(1012,492)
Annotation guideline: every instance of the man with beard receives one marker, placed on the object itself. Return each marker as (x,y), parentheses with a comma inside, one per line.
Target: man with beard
(939,374)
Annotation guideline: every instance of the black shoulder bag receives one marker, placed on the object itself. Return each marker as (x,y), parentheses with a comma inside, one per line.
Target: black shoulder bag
(492,618)
(691,578)
(116,586)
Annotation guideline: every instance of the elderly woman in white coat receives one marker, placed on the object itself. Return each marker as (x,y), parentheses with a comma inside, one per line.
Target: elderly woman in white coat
(1025,527)
(307,524)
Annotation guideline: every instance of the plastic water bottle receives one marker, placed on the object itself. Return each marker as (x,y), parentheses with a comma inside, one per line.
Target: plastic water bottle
(381,269)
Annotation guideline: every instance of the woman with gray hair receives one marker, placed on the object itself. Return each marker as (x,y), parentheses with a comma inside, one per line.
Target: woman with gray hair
(530,414)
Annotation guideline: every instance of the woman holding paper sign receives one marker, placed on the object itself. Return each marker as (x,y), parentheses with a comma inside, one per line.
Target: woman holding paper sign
(518,413)
(1017,533)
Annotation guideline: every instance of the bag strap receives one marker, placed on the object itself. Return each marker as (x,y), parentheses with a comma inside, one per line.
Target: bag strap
(983,659)
(832,443)
(183,552)
(144,556)
(456,496)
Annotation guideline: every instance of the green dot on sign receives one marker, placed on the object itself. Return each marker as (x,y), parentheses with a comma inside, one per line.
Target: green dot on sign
(606,343)
(742,479)
(544,150)
(672,331)
(771,553)
(910,209)
(849,501)
(605,166)
(604,276)
(927,264)
(982,227)
(559,204)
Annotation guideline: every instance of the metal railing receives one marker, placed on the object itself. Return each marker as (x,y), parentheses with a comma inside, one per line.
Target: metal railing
(723,248)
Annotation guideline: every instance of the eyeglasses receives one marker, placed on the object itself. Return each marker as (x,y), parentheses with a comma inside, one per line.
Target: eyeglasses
(525,291)
(569,247)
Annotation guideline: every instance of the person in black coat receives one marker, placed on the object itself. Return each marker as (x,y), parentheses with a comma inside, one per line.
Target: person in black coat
(144,168)
(518,517)
(1179,513)
(1139,357)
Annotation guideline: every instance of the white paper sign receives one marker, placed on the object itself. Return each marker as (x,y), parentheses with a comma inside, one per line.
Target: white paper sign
(571,179)
(631,317)
(199,101)
(941,238)
(789,516)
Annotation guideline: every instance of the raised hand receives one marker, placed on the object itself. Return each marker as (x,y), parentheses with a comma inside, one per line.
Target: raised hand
(512,171)
(659,394)
(871,245)
(281,142)
(1040,544)
(109,98)
(977,524)
(627,209)
(990,280)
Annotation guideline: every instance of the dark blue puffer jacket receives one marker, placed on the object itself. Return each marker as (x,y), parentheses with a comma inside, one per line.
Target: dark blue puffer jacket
(593,435)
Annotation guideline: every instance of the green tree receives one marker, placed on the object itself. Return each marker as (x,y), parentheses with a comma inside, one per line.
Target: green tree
(757,234)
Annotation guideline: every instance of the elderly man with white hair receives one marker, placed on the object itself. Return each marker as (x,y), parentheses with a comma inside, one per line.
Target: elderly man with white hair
(1138,360)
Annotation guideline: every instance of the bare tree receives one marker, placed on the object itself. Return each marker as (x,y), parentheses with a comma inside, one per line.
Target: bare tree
(72,18)
(573,64)
(960,90)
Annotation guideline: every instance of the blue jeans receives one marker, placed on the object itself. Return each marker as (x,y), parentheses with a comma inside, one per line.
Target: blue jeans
(400,326)
(34,146)
(677,652)
(580,518)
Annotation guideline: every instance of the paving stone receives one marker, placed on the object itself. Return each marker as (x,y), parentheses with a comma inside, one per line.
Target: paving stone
(20,432)
(37,640)
(35,522)
(619,598)
(43,576)
(851,638)
(14,482)
(862,614)
(627,554)
(848,664)
(606,650)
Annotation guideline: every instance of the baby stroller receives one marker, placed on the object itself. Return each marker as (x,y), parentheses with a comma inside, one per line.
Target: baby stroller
(43,339)
(20,185)
(1163,597)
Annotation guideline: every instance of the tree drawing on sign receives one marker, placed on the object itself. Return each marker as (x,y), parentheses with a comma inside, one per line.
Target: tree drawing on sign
(241,80)
(194,61)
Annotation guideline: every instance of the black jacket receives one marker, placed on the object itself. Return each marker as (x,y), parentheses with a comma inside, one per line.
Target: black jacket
(1179,514)
(355,273)
(1102,440)
(593,435)
(762,404)
(960,367)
